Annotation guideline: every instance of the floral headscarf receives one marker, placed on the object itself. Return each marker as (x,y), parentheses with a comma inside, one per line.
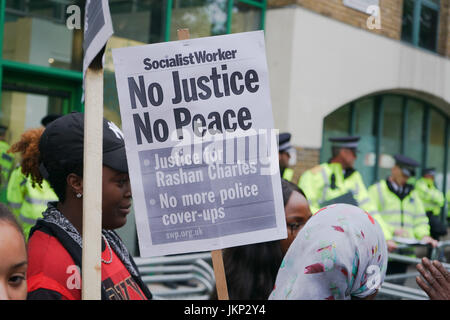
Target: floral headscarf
(341,252)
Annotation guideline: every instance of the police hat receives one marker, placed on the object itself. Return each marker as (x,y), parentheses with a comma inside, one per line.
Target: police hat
(284,142)
(429,171)
(350,142)
(407,165)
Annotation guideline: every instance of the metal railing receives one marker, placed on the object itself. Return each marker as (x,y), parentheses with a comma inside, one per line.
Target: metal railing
(390,289)
(186,276)
(438,252)
(167,276)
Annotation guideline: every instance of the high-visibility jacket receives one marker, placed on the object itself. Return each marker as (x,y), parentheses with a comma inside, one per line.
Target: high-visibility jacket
(327,181)
(288,174)
(432,198)
(448,202)
(6,165)
(407,213)
(28,203)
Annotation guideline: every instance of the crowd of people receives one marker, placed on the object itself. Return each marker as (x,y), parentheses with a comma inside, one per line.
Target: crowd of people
(403,207)
(339,232)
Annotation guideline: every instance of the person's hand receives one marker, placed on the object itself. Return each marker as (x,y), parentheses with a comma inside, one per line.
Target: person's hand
(427,239)
(437,279)
(391,245)
(400,232)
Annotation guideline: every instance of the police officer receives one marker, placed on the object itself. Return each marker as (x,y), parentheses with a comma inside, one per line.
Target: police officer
(27,200)
(433,201)
(6,163)
(286,156)
(337,180)
(447,195)
(400,207)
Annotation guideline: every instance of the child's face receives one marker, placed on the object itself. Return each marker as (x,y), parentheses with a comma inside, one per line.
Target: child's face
(116,204)
(13,263)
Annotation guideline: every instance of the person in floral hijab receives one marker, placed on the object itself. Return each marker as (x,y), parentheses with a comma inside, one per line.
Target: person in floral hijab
(340,253)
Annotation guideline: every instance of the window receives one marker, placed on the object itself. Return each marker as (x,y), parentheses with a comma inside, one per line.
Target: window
(246,18)
(363,126)
(436,146)
(35,36)
(35,32)
(391,134)
(335,124)
(420,23)
(142,21)
(414,130)
(203,17)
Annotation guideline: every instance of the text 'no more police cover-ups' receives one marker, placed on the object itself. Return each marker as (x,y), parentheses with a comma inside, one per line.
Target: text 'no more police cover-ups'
(201,149)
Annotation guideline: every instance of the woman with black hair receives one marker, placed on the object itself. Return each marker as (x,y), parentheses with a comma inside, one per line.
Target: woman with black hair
(251,270)
(55,242)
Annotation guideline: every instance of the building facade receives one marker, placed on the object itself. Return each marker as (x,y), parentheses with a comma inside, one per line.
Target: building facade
(338,70)
(41,52)
(41,47)
(334,68)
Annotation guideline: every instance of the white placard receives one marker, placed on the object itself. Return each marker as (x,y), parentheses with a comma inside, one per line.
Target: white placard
(361,5)
(201,149)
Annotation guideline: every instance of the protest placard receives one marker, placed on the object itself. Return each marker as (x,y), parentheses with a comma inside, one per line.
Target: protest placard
(98,29)
(201,149)
(216,255)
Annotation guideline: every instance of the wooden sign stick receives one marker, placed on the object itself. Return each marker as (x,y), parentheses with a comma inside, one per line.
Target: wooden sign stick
(219,274)
(92,182)
(217,259)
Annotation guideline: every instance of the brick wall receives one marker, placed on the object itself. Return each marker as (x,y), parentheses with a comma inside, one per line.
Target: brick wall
(391,14)
(391,17)
(444,29)
(306,159)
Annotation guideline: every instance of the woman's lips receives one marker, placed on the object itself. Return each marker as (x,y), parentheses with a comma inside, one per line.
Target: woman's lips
(125,210)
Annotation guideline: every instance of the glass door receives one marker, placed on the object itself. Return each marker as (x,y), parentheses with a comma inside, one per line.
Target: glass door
(23,107)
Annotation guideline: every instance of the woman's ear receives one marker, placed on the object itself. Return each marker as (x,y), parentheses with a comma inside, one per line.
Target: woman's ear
(75,184)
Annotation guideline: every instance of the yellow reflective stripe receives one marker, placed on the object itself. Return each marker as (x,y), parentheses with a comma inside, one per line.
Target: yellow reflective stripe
(7,157)
(42,202)
(399,224)
(15,205)
(356,191)
(423,223)
(27,220)
(398,211)
(325,186)
(363,202)
(380,195)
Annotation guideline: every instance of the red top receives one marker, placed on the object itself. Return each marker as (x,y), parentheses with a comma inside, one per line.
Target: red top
(50,267)
(118,282)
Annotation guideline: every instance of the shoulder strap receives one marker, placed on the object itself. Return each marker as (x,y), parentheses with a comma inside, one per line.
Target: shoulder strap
(67,242)
(122,253)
